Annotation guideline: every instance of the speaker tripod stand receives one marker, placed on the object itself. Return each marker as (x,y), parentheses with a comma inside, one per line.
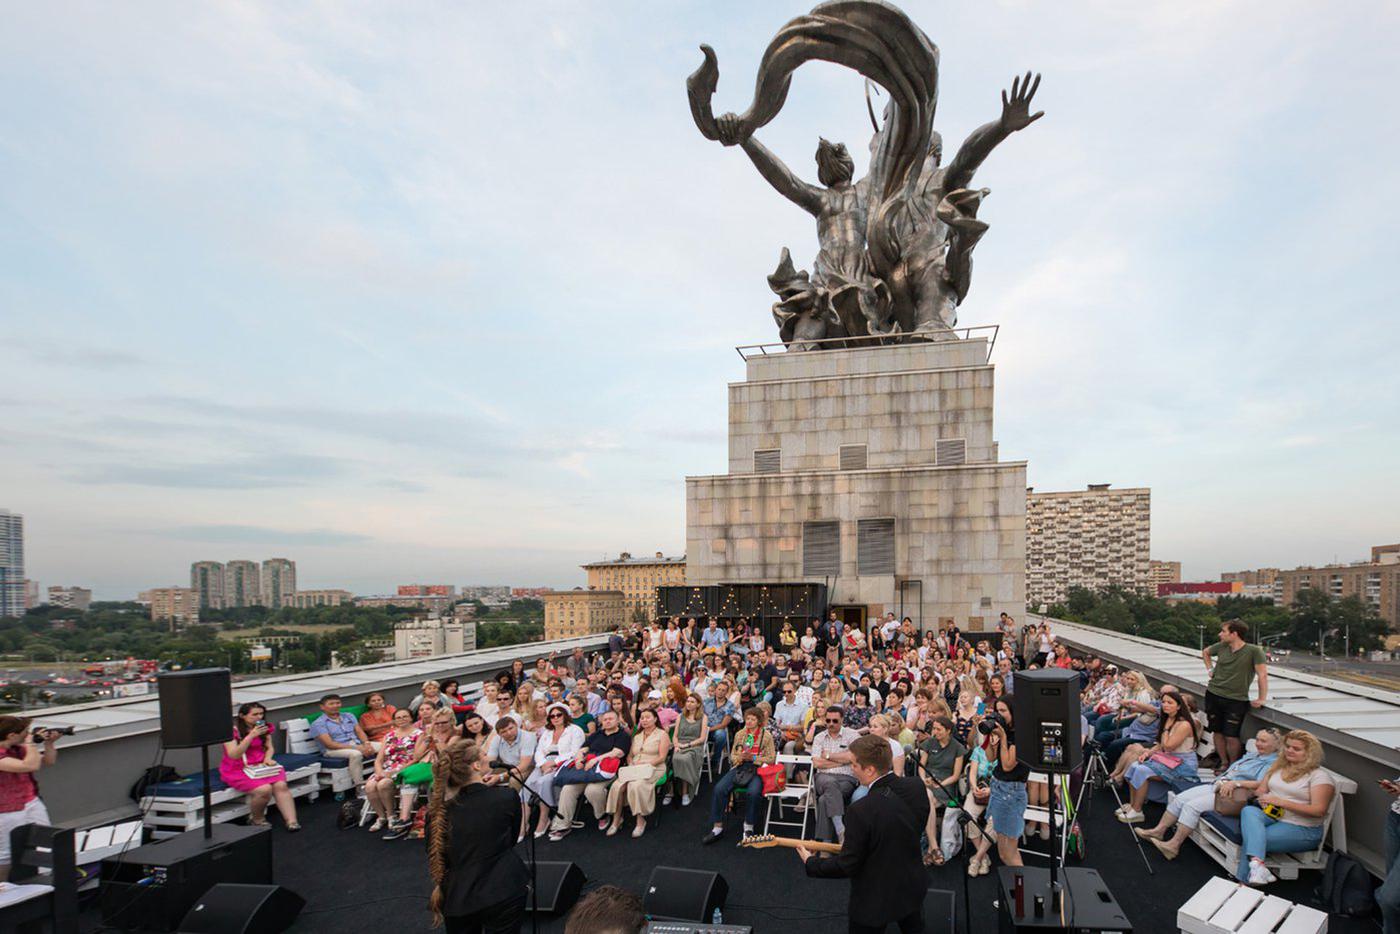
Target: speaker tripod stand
(1096,775)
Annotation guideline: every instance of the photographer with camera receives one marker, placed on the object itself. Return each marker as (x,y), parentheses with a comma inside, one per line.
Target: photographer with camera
(22,753)
(1007,806)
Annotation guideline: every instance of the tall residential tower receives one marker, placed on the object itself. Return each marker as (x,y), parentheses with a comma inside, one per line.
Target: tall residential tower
(12,583)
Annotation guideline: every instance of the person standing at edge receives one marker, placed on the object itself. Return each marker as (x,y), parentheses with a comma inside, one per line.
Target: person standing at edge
(880,853)
(1232,664)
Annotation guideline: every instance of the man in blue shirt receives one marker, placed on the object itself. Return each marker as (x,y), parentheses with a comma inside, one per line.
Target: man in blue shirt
(720,715)
(713,638)
(342,737)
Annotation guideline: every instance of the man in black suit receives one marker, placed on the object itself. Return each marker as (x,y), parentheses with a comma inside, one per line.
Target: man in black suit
(880,854)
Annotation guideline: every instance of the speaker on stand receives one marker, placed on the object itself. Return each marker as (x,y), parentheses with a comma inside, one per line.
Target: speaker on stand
(196,708)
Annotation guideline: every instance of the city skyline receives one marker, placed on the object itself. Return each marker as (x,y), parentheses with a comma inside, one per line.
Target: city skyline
(461,304)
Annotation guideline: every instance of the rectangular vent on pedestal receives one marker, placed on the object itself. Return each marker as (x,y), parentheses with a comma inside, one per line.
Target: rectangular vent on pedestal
(852,457)
(768,461)
(821,548)
(875,546)
(950,452)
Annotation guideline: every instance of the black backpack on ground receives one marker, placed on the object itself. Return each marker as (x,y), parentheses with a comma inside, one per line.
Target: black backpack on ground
(1346,888)
(152,776)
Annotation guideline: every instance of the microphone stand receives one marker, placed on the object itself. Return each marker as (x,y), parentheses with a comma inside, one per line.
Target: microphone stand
(530,837)
(964,819)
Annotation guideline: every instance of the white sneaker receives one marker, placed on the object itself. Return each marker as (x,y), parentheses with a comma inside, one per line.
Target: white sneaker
(1131,817)
(685,801)
(1259,874)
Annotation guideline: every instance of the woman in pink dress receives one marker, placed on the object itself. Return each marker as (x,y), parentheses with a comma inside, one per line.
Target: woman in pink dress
(250,746)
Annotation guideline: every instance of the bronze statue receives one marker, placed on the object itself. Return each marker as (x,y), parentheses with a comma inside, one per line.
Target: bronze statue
(895,255)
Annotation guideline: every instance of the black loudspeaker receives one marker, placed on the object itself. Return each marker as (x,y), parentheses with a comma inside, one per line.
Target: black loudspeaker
(195,707)
(243,909)
(559,886)
(1045,705)
(684,894)
(152,887)
(940,912)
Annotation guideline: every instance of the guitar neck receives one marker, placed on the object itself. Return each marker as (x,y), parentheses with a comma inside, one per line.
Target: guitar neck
(816,846)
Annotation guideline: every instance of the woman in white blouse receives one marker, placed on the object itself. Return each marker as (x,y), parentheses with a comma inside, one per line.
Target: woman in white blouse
(559,742)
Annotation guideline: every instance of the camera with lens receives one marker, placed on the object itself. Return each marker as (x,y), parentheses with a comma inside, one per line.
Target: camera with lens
(38,735)
(990,722)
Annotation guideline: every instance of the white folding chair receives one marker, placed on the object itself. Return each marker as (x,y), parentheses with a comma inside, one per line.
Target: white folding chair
(707,770)
(797,796)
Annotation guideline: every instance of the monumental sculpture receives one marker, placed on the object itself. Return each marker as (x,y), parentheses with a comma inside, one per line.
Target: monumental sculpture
(895,247)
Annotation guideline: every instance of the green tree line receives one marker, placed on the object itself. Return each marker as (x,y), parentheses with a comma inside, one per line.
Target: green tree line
(1188,623)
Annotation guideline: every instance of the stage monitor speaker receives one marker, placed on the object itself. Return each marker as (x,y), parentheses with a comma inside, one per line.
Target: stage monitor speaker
(559,886)
(940,912)
(195,707)
(243,909)
(1089,907)
(1045,705)
(684,894)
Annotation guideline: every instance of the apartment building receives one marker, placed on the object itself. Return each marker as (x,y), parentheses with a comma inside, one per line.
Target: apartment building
(580,612)
(1092,538)
(637,579)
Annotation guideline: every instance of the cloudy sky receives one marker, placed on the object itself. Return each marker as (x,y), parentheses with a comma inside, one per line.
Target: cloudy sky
(449,292)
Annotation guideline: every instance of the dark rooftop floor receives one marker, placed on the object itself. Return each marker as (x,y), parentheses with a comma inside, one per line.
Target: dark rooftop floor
(353,880)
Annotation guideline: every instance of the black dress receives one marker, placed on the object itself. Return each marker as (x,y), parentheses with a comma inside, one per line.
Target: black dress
(487,881)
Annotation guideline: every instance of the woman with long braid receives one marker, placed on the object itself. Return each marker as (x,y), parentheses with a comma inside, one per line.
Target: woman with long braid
(479,882)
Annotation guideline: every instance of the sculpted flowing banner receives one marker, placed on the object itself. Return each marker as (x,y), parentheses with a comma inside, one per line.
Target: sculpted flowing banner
(895,247)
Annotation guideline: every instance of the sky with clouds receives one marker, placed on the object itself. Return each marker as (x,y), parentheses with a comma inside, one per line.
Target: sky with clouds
(449,292)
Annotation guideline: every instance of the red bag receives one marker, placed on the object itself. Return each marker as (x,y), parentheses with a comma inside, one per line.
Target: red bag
(774,778)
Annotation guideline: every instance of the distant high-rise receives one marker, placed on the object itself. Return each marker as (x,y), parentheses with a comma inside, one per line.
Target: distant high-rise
(177,606)
(207,580)
(279,582)
(242,584)
(12,583)
(71,598)
(1162,572)
(1092,538)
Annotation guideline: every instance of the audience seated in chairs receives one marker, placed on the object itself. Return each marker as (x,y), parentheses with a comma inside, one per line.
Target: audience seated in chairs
(376,719)
(650,749)
(688,740)
(1187,807)
(402,746)
(833,782)
(558,744)
(751,747)
(252,746)
(942,758)
(589,773)
(342,737)
(1290,806)
(1172,758)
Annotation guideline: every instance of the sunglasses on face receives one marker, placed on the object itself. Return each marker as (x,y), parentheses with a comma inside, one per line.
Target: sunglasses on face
(833,719)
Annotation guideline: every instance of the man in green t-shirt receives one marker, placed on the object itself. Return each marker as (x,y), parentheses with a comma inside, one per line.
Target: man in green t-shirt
(1232,663)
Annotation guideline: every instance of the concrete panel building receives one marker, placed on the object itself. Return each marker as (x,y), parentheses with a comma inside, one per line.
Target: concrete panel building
(70,598)
(1162,572)
(305,599)
(424,638)
(874,471)
(279,582)
(242,584)
(12,580)
(207,579)
(1091,538)
(1376,582)
(178,606)
(638,579)
(582,612)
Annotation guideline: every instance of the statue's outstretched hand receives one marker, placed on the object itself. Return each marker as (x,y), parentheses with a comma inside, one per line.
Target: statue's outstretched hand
(1016,109)
(728,126)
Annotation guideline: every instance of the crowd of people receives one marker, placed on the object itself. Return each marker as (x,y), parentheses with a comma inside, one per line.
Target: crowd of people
(679,704)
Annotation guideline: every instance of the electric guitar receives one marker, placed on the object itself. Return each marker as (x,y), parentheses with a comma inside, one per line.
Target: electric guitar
(763,841)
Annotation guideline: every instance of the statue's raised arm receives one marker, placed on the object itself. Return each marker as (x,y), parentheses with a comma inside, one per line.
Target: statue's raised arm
(803,194)
(1015,115)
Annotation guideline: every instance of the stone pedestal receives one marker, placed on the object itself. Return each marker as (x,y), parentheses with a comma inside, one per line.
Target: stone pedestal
(872,470)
